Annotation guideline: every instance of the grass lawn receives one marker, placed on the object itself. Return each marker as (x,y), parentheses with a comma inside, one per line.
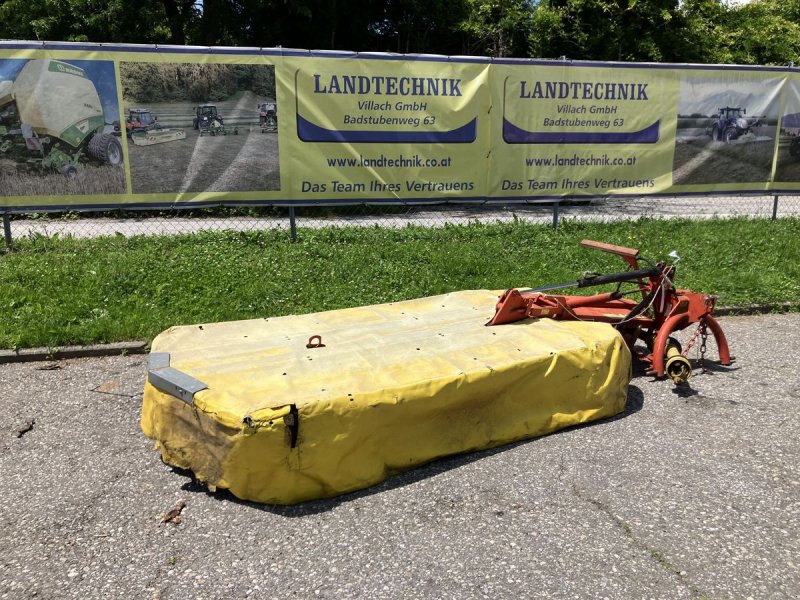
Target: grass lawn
(63,291)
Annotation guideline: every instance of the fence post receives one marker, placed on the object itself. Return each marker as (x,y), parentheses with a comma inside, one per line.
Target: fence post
(7,231)
(292,225)
(555,215)
(775,207)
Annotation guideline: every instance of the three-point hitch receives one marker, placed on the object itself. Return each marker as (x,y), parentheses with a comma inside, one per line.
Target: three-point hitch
(662,311)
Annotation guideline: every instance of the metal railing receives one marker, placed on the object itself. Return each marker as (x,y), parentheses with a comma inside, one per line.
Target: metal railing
(188,220)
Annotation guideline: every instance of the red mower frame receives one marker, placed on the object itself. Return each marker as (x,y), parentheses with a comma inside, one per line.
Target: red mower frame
(662,311)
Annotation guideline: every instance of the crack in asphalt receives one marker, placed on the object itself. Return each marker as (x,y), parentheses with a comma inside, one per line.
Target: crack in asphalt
(25,428)
(659,557)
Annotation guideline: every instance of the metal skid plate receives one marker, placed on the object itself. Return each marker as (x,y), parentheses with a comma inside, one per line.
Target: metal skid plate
(172,381)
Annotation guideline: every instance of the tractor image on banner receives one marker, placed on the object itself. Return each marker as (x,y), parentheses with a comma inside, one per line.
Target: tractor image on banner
(208,121)
(731,123)
(268,116)
(52,117)
(205,112)
(143,129)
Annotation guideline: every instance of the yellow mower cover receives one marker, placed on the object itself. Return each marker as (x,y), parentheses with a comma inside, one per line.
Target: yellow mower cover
(247,406)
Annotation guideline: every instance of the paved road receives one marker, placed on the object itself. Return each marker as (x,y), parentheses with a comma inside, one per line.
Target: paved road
(704,207)
(693,495)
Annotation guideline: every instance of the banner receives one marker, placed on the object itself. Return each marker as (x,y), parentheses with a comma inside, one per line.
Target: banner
(90,126)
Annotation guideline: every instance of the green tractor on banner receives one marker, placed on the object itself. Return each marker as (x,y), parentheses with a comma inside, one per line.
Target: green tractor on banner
(51,116)
(208,121)
(268,116)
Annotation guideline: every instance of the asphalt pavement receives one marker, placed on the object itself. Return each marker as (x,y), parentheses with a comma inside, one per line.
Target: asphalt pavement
(691,493)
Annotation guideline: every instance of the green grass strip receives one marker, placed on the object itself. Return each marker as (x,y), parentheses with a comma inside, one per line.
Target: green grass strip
(56,292)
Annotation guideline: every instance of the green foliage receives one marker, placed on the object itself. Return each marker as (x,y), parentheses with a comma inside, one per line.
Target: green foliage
(84,20)
(497,27)
(417,26)
(764,33)
(605,29)
(63,291)
(701,32)
(168,82)
(697,31)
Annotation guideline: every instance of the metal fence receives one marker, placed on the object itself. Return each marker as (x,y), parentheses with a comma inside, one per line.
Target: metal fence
(128,222)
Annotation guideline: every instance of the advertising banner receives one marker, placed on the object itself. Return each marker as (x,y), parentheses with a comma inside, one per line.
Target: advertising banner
(592,131)
(89,126)
(386,129)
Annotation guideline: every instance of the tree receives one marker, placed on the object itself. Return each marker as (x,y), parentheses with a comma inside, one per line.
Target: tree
(84,21)
(764,33)
(420,26)
(179,13)
(696,31)
(312,24)
(498,28)
(701,33)
(619,30)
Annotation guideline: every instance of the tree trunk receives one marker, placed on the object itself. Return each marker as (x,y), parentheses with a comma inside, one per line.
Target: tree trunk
(210,26)
(176,22)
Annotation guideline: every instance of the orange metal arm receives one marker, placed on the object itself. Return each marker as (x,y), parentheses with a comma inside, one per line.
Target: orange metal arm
(629,255)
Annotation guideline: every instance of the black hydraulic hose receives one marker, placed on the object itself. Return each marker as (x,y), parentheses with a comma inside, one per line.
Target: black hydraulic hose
(639,308)
(653,271)
(618,277)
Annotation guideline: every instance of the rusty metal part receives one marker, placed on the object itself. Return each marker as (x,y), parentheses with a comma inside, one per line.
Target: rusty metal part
(662,310)
(315,341)
(629,255)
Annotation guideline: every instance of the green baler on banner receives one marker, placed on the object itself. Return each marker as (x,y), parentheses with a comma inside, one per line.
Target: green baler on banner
(51,115)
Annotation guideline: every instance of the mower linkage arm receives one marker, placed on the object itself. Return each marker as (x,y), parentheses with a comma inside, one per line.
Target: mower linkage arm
(618,277)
